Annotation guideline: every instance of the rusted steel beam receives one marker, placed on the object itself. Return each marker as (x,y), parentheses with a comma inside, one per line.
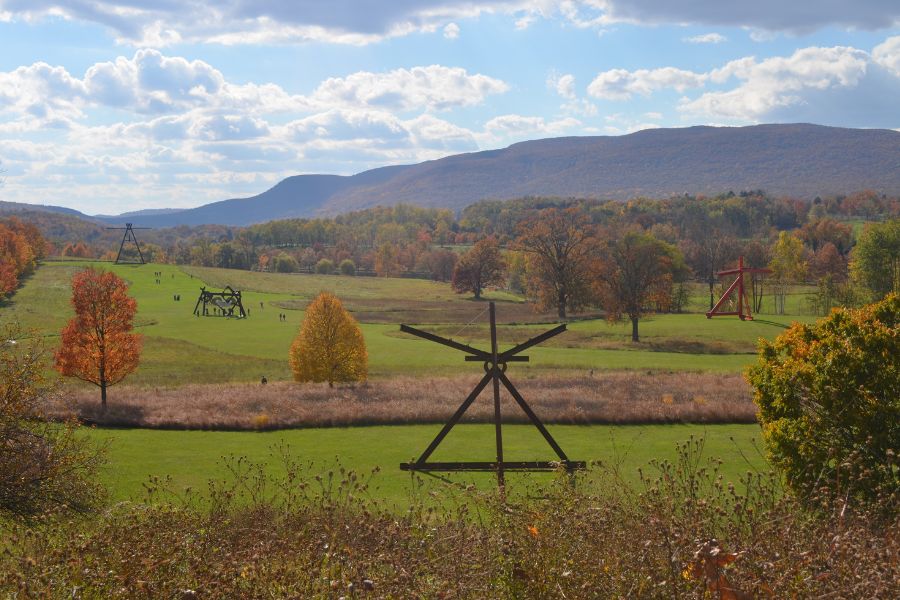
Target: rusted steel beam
(533,465)
(446,342)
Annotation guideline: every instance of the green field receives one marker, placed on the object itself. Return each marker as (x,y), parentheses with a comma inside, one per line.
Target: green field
(181,348)
(193,458)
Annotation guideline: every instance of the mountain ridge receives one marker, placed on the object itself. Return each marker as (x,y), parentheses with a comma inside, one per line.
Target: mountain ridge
(800,160)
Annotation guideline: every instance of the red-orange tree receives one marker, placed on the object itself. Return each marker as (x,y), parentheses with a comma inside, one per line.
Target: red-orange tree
(97,344)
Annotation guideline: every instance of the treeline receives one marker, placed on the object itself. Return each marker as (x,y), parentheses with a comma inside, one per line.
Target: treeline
(21,246)
(709,234)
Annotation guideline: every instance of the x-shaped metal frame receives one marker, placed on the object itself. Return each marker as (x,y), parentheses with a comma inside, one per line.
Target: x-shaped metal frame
(495,373)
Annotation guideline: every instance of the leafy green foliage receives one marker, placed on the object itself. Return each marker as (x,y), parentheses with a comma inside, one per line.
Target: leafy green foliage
(829,401)
(875,262)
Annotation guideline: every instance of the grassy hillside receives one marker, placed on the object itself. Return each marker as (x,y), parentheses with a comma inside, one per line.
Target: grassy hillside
(182,348)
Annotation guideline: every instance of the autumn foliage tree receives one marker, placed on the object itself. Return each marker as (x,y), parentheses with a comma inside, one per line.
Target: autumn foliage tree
(97,345)
(559,247)
(21,246)
(788,266)
(634,275)
(875,261)
(480,267)
(330,346)
(829,401)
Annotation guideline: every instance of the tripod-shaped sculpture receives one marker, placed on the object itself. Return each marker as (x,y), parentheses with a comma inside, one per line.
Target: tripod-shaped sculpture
(495,373)
(129,237)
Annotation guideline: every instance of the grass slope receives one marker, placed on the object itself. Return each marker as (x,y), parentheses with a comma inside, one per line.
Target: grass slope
(181,348)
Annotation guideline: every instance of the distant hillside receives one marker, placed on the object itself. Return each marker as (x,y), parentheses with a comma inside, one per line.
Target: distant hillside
(794,160)
(784,160)
(297,196)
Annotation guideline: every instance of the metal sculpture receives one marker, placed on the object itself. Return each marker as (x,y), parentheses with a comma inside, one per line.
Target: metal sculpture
(495,372)
(744,311)
(129,237)
(226,301)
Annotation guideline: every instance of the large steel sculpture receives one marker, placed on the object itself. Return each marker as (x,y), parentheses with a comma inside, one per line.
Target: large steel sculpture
(495,363)
(129,237)
(741,305)
(225,302)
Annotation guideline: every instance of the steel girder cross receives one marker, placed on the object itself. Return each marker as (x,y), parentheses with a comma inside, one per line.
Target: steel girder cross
(495,374)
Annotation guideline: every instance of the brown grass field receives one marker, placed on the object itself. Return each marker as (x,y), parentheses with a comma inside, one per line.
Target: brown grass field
(615,397)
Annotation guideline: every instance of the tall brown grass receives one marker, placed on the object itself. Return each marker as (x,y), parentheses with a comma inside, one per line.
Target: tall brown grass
(682,534)
(616,397)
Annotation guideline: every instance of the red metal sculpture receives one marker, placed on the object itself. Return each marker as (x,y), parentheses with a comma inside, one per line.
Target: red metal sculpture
(744,311)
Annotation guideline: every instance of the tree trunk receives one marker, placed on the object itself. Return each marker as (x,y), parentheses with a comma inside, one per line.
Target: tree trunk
(103,395)
(634,329)
(478,293)
(561,305)
(711,297)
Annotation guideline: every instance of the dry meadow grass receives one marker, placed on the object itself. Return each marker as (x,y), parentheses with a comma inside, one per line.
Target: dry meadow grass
(616,397)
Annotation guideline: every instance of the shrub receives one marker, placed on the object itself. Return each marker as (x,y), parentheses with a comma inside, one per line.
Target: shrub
(347,267)
(325,267)
(43,466)
(285,263)
(829,401)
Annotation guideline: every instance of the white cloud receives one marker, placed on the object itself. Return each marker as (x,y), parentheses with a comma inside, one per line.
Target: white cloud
(515,127)
(433,87)
(565,86)
(707,38)
(451,31)
(778,82)
(185,134)
(620,84)
(887,54)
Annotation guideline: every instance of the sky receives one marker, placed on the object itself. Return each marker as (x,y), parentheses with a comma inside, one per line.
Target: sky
(108,107)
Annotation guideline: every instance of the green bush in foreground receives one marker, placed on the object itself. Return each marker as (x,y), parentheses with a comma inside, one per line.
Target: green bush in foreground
(303,535)
(829,402)
(44,467)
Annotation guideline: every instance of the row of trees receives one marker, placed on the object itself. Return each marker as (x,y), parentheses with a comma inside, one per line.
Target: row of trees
(398,239)
(566,262)
(571,263)
(21,246)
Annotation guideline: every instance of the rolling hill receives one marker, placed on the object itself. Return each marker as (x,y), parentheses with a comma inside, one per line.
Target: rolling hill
(798,160)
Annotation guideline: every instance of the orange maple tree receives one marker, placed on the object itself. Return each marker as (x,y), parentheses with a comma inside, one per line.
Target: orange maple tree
(21,245)
(97,343)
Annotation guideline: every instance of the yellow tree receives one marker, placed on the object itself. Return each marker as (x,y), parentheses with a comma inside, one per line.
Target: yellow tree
(329,347)
(788,265)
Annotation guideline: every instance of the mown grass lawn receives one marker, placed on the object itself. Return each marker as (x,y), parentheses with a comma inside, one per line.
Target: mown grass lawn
(193,458)
(182,348)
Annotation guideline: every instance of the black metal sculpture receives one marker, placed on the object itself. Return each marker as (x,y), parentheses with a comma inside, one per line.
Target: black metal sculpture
(495,372)
(227,301)
(129,237)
